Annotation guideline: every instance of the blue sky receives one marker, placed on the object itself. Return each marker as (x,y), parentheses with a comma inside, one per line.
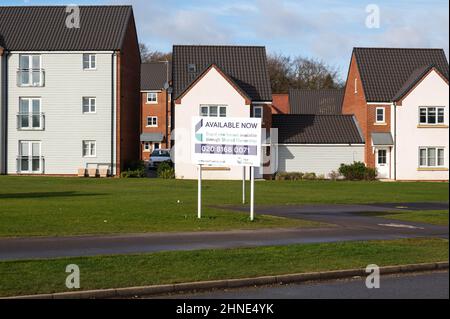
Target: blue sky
(323,29)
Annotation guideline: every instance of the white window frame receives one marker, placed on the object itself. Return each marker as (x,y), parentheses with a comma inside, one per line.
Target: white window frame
(427,156)
(209,106)
(154,121)
(147,146)
(30,70)
(259,107)
(30,155)
(437,109)
(384,115)
(30,114)
(385,156)
(90,105)
(89,143)
(92,62)
(151,101)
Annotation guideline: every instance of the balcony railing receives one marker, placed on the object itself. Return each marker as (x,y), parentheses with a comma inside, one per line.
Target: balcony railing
(30,164)
(31,121)
(30,77)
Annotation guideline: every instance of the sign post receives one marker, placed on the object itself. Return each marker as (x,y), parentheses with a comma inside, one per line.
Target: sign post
(227,141)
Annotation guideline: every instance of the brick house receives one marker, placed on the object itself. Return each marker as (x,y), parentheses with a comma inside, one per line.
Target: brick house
(400,99)
(155,107)
(69,97)
(280,103)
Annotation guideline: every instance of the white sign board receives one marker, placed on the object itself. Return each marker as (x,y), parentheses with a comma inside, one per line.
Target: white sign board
(223,141)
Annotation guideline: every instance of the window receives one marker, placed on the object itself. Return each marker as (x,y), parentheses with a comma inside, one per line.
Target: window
(382,157)
(192,68)
(152,98)
(29,116)
(431,157)
(152,121)
(356,85)
(147,147)
(258,112)
(30,72)
(431,115)
(213,110)
(89,61)
(89,104)
(380,114)
(29,160)
(89,149)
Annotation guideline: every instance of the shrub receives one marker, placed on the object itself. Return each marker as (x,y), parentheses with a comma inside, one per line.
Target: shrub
(357,171)
(165,170)
(310,176)
(333,175)
(321,177)
(289,176)
(137,173)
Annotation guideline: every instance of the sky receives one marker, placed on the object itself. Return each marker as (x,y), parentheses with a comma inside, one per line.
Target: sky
(322,29)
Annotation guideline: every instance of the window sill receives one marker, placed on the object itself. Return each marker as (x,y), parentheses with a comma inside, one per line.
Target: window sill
(427,169)
(432,126)
(151,103)
(380,123)
(151,126)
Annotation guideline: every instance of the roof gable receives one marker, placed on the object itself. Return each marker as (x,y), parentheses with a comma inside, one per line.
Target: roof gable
(43,28)
(384,71)
(316,129)
(246,66)
(227,78)
(324,101)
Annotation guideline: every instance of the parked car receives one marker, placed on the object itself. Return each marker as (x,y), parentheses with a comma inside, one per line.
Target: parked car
(158,156)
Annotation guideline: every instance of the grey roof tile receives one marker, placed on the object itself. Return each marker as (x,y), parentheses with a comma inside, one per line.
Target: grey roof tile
(43,28)
(244,65)
(384,71)
(155,75)
(325,101)
(316,129)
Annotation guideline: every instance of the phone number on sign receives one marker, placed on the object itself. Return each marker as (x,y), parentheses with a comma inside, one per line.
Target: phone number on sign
(225,149)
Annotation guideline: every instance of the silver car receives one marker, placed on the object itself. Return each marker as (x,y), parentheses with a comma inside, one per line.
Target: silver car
(158,156)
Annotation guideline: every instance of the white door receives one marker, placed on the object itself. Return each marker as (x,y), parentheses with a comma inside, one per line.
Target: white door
(382,162)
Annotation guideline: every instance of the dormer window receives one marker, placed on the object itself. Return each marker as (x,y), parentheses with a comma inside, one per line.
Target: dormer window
(192,68)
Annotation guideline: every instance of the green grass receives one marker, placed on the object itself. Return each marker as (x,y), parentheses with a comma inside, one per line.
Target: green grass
(48,206)
(47,276)
(434,217)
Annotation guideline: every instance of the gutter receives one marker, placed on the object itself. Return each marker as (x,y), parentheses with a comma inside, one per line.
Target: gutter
(3,109)
(395,140)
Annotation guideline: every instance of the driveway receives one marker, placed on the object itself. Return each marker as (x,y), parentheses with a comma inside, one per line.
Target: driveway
(349,226)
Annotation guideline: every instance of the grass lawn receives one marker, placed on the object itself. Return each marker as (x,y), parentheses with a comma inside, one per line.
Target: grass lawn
(434,217)
(48,206)
(46,276)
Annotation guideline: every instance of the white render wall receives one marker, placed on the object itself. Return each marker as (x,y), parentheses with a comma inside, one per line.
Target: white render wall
(213,88)
(319,159)
(2,146)
(432,91)
(61,101)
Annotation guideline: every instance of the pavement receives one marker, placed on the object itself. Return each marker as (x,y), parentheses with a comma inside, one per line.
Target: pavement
(349,226)
(433,285)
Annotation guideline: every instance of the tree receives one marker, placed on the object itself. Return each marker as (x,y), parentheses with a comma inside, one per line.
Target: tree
(302,73)
(153,56)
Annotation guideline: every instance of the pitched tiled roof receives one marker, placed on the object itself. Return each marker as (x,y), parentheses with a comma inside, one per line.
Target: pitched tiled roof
(385,70)
(244,65)
(43,28)
(155,75)
(316,129)
(325,101)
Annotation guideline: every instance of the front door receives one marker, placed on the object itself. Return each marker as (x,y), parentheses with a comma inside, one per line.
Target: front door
(382,162)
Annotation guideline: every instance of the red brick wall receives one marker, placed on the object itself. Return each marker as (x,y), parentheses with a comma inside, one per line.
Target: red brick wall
(159,110)
(372,126)
(128,108)
(355,103)
(280,104)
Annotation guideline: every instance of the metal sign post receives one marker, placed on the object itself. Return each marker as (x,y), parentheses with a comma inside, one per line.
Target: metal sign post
(243,185)
(199,192)
(252,193)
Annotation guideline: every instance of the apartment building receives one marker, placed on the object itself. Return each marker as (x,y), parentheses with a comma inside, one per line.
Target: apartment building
(155,107)
(69,93)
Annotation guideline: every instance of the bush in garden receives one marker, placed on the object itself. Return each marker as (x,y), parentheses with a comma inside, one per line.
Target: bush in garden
(165,170)
(357,171)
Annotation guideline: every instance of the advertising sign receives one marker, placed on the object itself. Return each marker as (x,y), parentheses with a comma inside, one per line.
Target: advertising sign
(224,141)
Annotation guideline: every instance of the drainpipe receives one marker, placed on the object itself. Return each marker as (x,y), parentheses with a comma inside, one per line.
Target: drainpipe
(3,96)
(113,112)
(395,141)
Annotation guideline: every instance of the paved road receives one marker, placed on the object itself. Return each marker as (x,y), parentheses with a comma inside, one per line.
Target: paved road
(411,286)
(349,226)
